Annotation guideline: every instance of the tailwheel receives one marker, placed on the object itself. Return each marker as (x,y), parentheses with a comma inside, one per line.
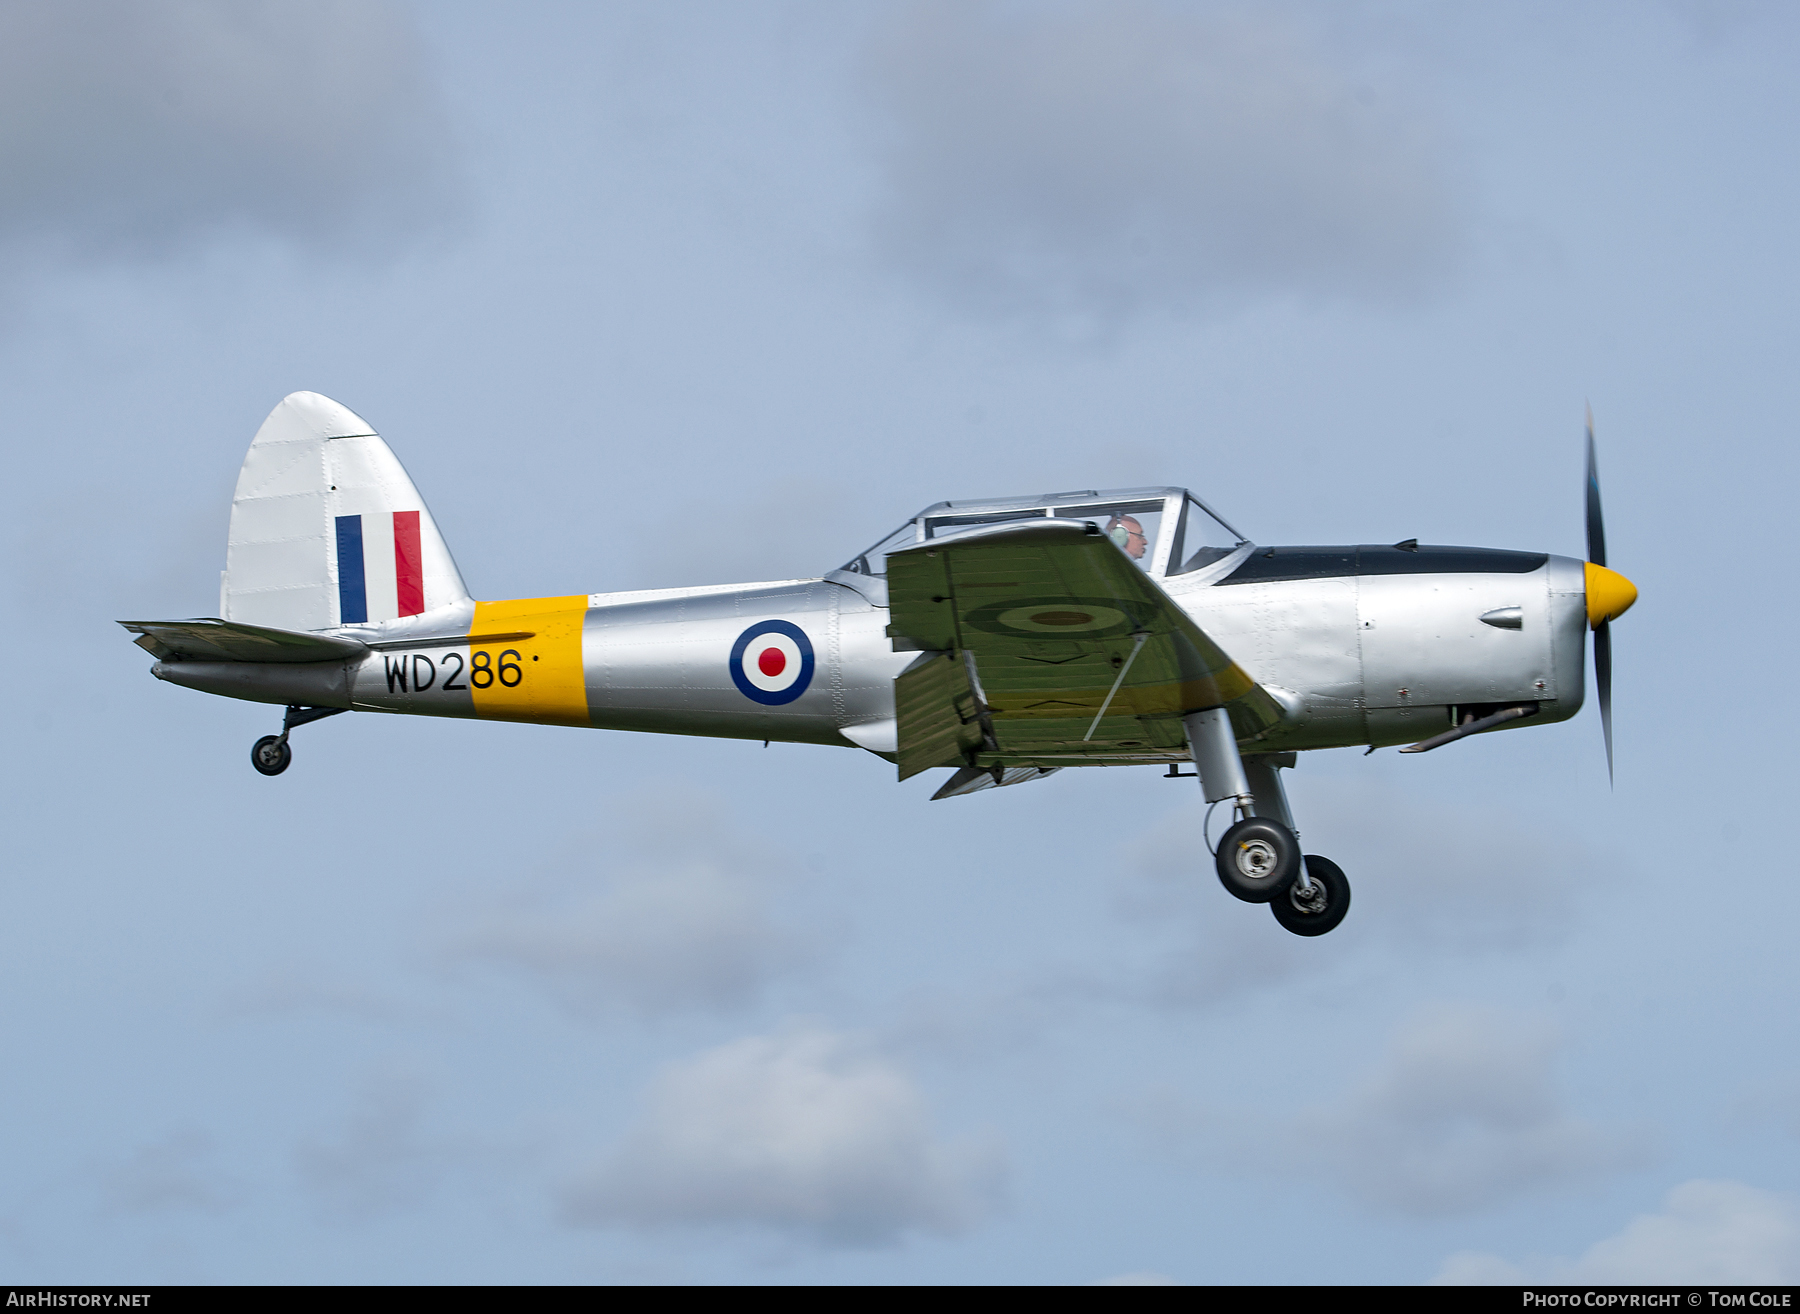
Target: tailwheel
(1316,905)
(1258,859)
(271,755)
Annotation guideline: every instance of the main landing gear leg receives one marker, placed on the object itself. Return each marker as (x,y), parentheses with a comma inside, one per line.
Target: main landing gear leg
(1259,858)
(271,754)
(1320,895)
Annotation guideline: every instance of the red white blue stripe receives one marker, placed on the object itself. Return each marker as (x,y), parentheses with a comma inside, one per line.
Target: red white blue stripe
(375,584)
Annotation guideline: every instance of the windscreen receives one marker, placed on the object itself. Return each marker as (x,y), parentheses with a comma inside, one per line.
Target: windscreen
(874,561)
(1201,539)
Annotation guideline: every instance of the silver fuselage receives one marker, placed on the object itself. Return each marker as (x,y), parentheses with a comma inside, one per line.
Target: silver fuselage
(1354,659)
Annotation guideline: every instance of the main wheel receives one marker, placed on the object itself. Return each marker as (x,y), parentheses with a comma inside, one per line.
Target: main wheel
(1318,908)
(270,755)
(1258,859)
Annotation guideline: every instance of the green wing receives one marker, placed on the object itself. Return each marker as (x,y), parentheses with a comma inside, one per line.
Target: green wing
(1025,630)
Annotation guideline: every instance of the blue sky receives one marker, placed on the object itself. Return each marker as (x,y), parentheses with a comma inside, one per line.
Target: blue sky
(659,294)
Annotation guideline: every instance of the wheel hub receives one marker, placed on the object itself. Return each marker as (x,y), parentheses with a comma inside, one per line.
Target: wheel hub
(1256,859)
(1311,899)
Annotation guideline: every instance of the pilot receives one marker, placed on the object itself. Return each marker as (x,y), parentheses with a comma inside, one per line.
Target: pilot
(1128,533)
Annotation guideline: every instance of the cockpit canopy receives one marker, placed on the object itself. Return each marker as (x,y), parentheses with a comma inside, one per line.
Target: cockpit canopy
(1167,531)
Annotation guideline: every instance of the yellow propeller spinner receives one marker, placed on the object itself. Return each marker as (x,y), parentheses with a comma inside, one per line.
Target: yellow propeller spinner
(1609,595)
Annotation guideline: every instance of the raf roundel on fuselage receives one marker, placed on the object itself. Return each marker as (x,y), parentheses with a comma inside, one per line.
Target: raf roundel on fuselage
(772,663)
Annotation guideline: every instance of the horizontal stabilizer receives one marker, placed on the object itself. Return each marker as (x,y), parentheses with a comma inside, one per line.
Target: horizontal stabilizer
(207,640)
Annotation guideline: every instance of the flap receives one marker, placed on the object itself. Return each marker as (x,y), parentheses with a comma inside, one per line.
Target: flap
(939,724)
(1032,625)
(972,780)
(207,640)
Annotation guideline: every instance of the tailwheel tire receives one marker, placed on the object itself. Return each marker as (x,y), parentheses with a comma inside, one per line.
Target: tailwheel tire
(270,755)
(1318,908)
(1258,859)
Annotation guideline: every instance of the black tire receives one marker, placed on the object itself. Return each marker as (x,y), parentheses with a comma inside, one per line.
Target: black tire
(270,755)
(1325,909)
(1258,859)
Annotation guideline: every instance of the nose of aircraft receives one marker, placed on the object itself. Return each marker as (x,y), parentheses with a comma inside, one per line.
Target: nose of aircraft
(1609,595)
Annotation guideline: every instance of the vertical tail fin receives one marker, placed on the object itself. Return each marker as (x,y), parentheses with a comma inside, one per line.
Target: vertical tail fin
(328,530)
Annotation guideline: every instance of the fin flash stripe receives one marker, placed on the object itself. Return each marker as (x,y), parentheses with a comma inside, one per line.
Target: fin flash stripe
(354,584)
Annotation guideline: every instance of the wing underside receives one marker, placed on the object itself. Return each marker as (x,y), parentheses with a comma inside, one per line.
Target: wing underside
(1044,646)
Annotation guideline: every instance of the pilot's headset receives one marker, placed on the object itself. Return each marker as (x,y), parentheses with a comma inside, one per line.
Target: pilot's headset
(1117,532)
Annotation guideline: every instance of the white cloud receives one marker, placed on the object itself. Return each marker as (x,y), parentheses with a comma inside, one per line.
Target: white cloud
(377,1158)
(1464,1113)
(668,911)
(132,129)
(1090,159)
(170,1174)
(1467,1268)
(805,1132)
(1707,1231)
(1461,1113)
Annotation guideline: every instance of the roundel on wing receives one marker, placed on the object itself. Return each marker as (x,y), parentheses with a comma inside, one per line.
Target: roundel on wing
(1083,618)
(772,662)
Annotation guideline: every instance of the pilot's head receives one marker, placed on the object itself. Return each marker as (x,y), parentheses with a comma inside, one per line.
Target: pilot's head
(1128,533)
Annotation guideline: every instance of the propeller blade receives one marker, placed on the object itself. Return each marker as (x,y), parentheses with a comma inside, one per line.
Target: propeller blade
(1596,523)
(1603,687)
